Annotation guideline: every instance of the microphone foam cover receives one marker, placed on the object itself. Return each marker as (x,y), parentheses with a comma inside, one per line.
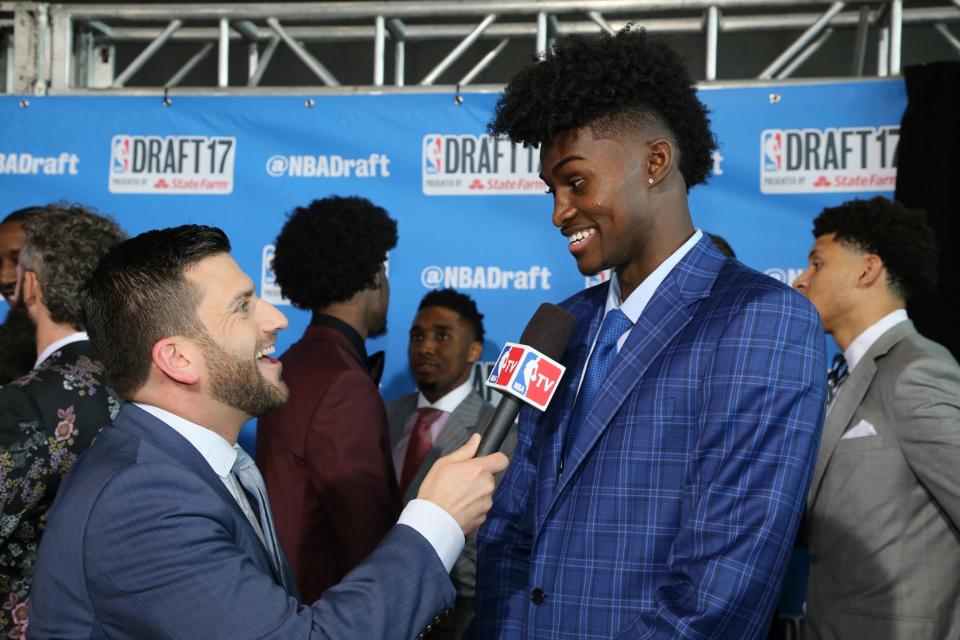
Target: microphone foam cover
(549,330)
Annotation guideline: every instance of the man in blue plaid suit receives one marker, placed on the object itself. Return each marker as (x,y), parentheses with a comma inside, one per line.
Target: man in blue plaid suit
(659,494)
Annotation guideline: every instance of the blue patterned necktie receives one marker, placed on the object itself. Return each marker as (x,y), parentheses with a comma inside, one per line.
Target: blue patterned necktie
(835,377)
(251,480)
(604,353)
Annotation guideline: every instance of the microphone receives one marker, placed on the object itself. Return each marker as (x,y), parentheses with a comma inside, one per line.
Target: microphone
(528,372)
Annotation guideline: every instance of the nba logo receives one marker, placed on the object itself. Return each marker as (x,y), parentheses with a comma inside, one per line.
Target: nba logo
(537,379)
(771,150)
(120,154)
(269,278)
(594,280)
(542,382)
(506,364)
(432,154)
(528,373)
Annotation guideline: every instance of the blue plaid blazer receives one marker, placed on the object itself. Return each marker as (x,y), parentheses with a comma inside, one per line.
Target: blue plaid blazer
(680,499)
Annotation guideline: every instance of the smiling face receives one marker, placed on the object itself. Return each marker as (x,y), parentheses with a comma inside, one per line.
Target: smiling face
(441,351)
(241,330)
(601,200)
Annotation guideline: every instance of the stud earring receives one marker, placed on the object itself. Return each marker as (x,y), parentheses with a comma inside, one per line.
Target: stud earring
(650,180)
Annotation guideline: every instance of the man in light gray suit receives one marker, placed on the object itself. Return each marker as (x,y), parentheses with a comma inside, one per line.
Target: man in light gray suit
(884,507)
(446,339)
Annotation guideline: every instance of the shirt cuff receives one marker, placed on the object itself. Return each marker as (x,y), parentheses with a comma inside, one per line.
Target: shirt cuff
(437,526)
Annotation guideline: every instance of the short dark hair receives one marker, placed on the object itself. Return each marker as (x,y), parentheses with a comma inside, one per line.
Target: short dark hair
(139,295)
(459,302)
(22,215)
(331,249)
(900,236)
(610,82)
(62,244)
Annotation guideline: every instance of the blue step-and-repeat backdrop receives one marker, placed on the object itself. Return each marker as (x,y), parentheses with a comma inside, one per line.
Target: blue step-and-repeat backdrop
(472,212)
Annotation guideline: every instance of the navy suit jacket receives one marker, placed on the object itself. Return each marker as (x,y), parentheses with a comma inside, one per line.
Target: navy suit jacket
(145,541)
(679,500)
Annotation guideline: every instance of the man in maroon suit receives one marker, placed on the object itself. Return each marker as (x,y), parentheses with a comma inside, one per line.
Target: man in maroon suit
(325,455)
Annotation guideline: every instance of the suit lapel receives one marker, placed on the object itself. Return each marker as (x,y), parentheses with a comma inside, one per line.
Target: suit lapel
(459,425)
(149,428)
(397,414)
(455,432)
(553,422)
(849,398)
(668,312)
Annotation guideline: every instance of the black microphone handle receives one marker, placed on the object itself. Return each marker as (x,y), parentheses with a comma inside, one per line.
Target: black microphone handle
(499,426)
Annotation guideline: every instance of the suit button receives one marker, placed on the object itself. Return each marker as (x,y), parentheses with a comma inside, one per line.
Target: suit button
(537,596)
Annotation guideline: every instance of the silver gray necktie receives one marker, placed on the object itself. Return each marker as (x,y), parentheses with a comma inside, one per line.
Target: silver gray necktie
(251,480)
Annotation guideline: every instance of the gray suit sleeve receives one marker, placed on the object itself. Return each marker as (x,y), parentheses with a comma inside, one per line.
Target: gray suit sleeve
(926,403)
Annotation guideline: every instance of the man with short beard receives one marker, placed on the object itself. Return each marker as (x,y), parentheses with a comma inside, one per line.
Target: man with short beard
(49,416)
(326,455)
(163,529)
(17,349)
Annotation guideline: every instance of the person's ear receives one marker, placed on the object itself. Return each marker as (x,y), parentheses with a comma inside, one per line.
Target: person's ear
(871,270)
(475,351)
(28,288)
(660,160)
(178,359)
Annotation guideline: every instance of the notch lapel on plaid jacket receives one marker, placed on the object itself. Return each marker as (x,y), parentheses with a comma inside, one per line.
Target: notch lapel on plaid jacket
(668,311)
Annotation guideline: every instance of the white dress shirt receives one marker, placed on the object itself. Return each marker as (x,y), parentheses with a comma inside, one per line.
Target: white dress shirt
(637,301)
(447,404)
(429,520)
(59,344)
(861,344)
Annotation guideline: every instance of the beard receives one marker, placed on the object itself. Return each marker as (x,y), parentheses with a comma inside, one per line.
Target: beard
(238,382)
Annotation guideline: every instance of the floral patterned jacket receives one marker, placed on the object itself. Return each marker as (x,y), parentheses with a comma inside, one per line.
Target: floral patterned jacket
(47,418)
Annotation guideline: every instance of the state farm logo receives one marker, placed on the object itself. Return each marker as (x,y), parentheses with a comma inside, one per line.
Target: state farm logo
(833,160)
(479,165)
(375,165)
(480,277)
(269,289)
(172,164)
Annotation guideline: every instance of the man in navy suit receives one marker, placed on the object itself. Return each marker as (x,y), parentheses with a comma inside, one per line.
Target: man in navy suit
(163,528)
(659,495)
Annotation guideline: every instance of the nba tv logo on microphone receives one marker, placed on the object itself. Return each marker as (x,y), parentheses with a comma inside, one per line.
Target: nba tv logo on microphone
(526,374)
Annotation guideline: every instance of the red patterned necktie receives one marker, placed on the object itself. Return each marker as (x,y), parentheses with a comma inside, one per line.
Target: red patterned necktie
(418,446)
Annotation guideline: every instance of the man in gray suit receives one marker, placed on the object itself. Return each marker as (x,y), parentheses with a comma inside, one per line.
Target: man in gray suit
(446,339)
(884,506)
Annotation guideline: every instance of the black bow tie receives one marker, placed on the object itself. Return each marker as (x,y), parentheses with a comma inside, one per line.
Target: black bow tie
(375,362)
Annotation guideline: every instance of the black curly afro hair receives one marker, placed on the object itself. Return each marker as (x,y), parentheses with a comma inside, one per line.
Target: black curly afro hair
(331,249)
(610,81)
(900,236)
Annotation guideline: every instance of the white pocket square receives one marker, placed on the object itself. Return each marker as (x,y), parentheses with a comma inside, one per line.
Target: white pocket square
(862,429)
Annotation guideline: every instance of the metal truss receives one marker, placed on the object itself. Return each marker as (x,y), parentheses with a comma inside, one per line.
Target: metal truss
(71,48)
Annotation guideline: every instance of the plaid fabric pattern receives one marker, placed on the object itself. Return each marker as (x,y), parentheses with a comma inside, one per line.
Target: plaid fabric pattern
(682,492)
